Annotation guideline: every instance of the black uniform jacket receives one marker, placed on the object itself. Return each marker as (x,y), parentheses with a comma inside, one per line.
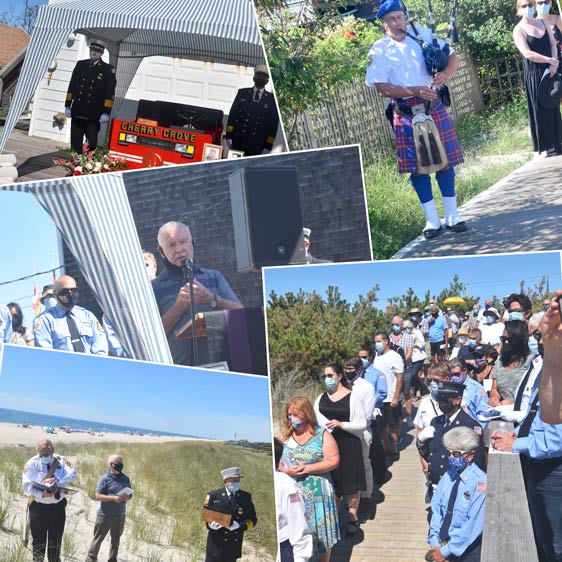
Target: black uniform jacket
(438,456)
(252,125)
(224,543)
(91,89)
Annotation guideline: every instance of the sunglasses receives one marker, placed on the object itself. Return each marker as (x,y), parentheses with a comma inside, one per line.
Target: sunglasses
(537,334)
(542,3)
(523,6)
(456,453)
(71,291)
(505,339)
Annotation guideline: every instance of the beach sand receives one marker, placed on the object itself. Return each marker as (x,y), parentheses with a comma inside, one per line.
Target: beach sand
(12,434)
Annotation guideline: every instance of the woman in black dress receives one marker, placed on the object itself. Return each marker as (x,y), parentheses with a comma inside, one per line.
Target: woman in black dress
(339,411)
(536,43)
(555,22)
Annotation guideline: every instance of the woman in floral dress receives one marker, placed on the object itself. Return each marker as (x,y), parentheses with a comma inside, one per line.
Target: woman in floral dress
(309,454)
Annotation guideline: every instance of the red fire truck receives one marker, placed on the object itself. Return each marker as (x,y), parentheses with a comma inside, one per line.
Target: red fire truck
(165,133)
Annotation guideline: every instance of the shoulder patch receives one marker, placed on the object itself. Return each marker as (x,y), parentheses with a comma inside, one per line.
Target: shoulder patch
(480,486)
(369,60)
(207,499)
(100,329)
(478,430)
(294,498)
(26,467)
(37,323)
(482,392)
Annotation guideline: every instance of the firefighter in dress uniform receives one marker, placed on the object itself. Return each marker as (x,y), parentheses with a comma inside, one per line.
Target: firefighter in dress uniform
(90,97)
(224,544)
(253,118)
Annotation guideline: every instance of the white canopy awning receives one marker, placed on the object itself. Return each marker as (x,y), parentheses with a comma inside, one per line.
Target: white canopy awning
(223,31)
(93,215)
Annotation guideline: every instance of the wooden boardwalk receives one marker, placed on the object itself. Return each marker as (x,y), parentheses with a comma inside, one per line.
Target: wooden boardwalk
(396,529)
(34,156)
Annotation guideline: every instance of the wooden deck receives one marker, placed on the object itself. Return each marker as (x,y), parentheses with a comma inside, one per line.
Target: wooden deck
(34,156)
(396,529)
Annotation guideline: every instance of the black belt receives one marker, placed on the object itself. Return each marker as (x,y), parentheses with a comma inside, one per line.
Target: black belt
(406,111)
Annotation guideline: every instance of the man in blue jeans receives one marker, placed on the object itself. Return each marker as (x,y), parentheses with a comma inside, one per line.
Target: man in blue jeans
(113,491)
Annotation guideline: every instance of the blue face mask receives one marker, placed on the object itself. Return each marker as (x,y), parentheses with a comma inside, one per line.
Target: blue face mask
(379,347)
(50,302)
(295,422)
(474,313)
(458,465)
(472,343)
(46,460)
(489,320)
(365,361)
(395,328)
(543,9)
(427,315)
(533,345)
(528,12)
(516,316)
(433,388)
(234,487)
(330,383)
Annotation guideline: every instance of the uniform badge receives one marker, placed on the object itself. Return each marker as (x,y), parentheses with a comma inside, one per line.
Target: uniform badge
(481,486)
(467,495)
(240,511)
(223,494)
(100,76)
(294,498)
(38,323)
(207,498)
(369,60)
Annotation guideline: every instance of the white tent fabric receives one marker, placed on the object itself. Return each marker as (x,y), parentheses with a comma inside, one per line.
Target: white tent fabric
(223,31)
(93,215)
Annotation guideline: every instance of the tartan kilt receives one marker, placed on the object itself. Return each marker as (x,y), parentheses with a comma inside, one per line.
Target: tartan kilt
(405,148)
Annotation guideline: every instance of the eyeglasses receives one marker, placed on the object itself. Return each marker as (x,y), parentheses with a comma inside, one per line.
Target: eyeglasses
(70,291)
(457,453)
(292,415)
(516,310)
(505,339)
(542,3)
(523,6)
(395,19)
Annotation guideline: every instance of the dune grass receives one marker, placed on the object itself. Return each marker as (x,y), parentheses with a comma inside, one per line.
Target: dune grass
(489,142)
(170,482)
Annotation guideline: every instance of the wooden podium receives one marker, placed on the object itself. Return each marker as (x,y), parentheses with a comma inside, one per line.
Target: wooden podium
(235,336)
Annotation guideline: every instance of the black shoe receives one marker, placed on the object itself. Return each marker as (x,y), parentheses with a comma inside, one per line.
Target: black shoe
(431,233)
(459,227)
(552,152)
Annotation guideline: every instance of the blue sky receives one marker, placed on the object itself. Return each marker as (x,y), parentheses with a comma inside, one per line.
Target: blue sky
(28,243)
(486,276)
(16,6)
(160,397)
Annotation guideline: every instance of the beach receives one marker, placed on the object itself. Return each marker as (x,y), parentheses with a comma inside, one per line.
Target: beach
(12,434)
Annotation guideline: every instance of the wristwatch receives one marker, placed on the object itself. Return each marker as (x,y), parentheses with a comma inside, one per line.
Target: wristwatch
(214,302)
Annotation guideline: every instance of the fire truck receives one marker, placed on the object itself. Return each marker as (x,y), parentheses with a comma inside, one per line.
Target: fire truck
(165,133)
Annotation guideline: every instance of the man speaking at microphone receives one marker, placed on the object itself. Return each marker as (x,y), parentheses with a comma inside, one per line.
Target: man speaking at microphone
(211,290)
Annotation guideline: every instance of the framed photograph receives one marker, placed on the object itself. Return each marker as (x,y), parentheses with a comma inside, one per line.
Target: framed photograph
(212,152)
(234,154)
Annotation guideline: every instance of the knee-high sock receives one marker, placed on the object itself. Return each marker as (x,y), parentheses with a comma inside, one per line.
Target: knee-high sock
(446,181)
(422,185)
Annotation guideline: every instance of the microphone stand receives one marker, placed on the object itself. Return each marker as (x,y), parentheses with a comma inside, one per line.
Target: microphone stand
(188,277)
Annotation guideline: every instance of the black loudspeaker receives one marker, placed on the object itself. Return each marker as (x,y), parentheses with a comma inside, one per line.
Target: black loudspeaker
(266,213)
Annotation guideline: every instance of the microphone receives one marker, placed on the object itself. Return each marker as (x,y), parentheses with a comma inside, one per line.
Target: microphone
(187,268)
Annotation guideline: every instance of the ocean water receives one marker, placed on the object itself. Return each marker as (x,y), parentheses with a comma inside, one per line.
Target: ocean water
(44,420)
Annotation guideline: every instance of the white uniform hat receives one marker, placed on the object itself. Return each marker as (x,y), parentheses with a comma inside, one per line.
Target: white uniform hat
(232,472)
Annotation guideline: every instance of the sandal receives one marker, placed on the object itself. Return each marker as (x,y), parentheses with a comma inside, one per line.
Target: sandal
(352,527)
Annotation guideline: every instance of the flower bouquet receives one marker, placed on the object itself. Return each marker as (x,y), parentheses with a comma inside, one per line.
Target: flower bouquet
(96,161)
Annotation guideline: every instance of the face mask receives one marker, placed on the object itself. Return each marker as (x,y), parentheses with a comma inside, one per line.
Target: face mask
(528,12)
(414,317)
(507,350)
(350,375)
(118,466)
(516,316)
(533,345)
(408,330)
(489,320)
(365,361)
(458,465)
(50,302)
(543,9)
(295,422)
(459,379)
(379,346)
(427,315)
(68,300)
(260,82)
(474,313)
(445,406)
(395,328)
(462,340)
(17,321)
(234,487)
(487,306)
(46,460)
(472,343)
(330,383)
(433,389)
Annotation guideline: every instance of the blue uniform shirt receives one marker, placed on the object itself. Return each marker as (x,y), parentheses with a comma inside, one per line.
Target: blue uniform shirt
(166,288)
(51,330)
(5,324)
(437,329)
(110,485)
(378,380)
(468,512)
(475,399)
(544,440)
(112,339)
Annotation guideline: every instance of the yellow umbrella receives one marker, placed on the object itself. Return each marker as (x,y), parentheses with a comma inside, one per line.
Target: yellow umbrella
(454,300)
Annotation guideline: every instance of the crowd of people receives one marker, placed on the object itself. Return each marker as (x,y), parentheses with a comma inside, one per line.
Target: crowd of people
(446,373)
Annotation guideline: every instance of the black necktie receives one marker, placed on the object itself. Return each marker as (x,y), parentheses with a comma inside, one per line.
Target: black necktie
(257,96)
(444,531)
(74,334)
